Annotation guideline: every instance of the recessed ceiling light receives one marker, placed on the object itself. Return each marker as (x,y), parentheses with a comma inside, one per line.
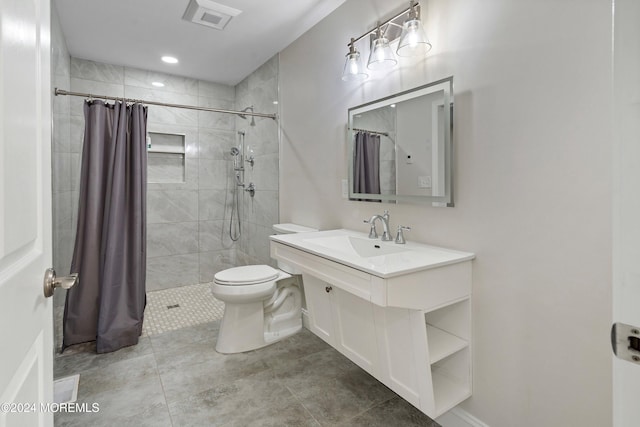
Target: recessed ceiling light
(157,84)
(170,59)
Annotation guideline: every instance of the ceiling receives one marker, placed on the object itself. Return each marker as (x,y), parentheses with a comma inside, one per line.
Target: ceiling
(136,33)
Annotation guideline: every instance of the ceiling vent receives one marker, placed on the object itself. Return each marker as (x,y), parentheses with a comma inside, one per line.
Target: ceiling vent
(209,13)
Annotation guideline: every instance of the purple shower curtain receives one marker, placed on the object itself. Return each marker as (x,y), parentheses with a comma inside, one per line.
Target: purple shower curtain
(366,163)
(107,304)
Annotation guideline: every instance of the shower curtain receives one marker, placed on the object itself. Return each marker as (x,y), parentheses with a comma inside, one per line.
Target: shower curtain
(107,304)
(366,163)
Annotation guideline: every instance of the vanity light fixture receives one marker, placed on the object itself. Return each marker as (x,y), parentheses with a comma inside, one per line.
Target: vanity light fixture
(353,69)
(413,40)
(408,29)
(381,57)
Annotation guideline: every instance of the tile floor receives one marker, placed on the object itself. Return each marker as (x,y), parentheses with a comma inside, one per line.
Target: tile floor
(176,378)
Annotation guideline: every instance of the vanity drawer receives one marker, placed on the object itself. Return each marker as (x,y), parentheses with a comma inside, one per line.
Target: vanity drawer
(349,279)
(430,289)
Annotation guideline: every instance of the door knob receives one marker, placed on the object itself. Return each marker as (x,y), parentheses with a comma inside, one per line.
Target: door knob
(51,282)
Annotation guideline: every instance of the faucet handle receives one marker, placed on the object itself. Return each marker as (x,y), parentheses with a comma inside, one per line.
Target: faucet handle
(400,236)
(373,233)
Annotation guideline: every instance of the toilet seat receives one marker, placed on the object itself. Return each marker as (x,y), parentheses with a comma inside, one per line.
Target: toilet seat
(246,275)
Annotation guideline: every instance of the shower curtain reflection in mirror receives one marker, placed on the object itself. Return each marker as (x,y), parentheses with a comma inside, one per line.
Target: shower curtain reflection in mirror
(107,304)
(366,163)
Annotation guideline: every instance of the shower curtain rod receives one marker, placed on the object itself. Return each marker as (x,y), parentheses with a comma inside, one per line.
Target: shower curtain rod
(371,131)
(163,104)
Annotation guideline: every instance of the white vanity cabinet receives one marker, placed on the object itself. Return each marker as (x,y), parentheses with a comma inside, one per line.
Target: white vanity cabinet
(343,320)
(411,331)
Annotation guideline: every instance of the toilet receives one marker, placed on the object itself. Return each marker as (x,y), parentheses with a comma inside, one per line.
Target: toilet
(262,304)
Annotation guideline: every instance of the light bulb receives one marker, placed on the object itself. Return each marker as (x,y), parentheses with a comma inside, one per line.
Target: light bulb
(381,56)
(413,40)
(412,37)
(353,66)
(353,70)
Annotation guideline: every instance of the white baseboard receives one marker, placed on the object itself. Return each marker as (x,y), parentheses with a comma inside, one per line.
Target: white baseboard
(458,417)
(305,318)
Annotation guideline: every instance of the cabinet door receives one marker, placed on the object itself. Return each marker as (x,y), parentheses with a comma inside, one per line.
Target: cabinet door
(319,306)
(354,327)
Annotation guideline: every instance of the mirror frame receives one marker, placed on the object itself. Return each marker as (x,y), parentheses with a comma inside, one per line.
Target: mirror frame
(445,85)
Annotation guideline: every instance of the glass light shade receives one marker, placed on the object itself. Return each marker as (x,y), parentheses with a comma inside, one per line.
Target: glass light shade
(413,40)
(381,56)
(353,69)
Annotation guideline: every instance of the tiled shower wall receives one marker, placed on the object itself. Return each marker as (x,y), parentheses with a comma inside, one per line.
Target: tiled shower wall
(64,199)
(260,90)
(188,223)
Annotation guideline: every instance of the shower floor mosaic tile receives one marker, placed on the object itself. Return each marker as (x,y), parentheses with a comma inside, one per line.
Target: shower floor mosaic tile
(177,308)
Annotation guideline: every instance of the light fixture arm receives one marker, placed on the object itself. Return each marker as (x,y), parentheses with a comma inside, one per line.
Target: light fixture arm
(414,7)
(352,47)
(394,24)
(415,10)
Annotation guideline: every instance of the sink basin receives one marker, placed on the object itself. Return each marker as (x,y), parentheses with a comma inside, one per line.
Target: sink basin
(365,248)
(382,259)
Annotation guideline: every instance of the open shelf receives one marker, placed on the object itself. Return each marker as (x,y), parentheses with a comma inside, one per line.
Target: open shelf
(166,150)
(166,158)
(442,344)
(451,379)
(170,143)
(447,392)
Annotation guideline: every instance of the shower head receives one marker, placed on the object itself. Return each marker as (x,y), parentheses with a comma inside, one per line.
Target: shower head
(253,119)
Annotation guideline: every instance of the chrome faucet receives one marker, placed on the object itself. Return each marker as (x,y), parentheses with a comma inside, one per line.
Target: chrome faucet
(373,233)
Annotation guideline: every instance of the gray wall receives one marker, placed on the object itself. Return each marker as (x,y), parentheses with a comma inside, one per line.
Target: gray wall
(188,222)
(533,184)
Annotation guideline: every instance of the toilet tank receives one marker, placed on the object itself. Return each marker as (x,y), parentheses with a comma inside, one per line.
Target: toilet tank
(289,228)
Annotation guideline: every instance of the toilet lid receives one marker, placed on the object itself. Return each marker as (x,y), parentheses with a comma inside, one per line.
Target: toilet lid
(246,275)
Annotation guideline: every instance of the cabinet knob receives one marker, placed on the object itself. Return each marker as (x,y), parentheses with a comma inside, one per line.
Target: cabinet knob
(328,289)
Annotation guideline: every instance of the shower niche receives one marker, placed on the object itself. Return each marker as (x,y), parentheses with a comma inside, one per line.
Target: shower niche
(166,158)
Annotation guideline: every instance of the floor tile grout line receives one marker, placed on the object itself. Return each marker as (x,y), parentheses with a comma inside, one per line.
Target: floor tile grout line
(295,396)
(164,393)
(369,408)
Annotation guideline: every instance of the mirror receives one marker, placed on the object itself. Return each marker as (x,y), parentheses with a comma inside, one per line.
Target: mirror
(400,147)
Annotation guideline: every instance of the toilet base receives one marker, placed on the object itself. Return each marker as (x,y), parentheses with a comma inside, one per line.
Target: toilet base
(243,328)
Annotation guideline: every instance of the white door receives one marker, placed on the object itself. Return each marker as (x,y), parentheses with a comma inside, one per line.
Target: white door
(26,332)
(626,205)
